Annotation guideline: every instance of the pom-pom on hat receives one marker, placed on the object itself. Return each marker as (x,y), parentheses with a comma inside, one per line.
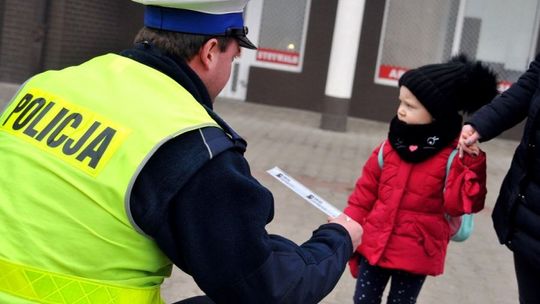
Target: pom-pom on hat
(459,85)
(202,17)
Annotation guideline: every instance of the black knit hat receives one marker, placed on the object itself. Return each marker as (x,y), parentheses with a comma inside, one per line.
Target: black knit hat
(459,85)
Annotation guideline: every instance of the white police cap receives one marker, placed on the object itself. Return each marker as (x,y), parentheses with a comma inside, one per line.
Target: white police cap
(202,17)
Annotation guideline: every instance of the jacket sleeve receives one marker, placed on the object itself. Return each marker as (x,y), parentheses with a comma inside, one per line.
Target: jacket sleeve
(363,197)
(509,108)
(213,228)
(366,189)
(219,221)
(465,190)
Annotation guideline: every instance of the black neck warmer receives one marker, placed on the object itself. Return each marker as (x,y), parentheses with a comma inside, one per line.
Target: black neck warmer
(416,143)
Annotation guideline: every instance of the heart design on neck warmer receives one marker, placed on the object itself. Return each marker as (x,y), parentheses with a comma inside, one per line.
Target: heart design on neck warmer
(413,148)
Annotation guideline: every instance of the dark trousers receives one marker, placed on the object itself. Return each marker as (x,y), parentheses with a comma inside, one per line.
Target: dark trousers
(197,300)
(372,281)
(528,276)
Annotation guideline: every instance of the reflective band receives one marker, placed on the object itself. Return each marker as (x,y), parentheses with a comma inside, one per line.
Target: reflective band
(52,288)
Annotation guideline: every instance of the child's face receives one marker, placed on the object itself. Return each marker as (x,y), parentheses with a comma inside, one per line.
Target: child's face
(410,110)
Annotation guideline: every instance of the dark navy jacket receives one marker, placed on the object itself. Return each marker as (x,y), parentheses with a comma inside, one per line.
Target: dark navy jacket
(208,215)
(516,215)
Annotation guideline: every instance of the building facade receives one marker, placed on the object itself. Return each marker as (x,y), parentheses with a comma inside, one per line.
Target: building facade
(341,58)
(396,35)
(37,35)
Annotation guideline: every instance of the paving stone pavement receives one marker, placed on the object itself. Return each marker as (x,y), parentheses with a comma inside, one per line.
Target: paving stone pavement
(477,271)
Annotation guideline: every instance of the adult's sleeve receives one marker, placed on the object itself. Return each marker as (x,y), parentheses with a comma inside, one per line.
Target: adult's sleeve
(509,108)
(214,230)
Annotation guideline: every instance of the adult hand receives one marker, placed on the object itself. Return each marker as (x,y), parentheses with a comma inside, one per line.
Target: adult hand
(355,230)
(467,141)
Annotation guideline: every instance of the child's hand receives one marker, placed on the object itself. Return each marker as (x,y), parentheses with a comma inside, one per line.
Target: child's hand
(468,141)
(355,230)
(473,149)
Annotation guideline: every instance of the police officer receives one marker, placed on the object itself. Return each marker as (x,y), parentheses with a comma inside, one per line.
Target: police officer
(115,169)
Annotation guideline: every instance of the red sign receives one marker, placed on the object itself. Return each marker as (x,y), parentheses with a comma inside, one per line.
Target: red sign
(277,56)
(390,72)
(503,85)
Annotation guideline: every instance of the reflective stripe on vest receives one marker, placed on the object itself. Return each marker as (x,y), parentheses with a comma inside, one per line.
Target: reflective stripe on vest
(51,288)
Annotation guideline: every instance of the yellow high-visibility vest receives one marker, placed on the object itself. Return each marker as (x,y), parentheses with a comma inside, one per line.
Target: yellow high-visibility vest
(71,145)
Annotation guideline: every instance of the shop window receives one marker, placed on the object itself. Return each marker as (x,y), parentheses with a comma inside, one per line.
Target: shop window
(497,32)
(282,34)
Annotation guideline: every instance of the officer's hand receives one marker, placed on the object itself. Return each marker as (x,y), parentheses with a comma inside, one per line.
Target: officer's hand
(355,230)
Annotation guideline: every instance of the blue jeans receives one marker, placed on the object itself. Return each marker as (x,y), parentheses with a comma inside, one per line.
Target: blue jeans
(372,281)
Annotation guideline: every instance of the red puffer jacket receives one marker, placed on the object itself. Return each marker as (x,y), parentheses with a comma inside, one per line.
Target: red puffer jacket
(402,208)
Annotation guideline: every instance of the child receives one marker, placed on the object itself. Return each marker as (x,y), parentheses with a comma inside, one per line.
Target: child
(402,205)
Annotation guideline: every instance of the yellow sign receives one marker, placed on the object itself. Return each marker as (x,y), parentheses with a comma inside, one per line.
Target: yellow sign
(70,132)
